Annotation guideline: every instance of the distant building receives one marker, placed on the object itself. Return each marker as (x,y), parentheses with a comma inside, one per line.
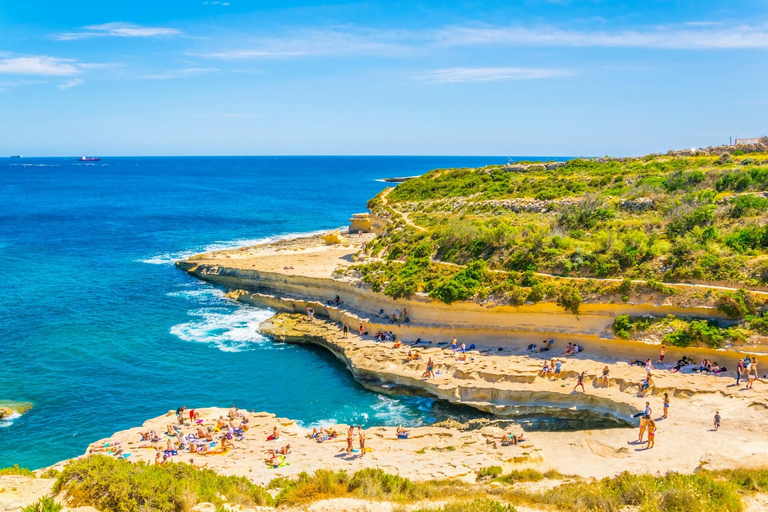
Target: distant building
(756,140)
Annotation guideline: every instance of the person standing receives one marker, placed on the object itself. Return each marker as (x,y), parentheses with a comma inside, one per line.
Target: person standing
(739,371)
(651,434)
(350,435)
(180,414)
(580,382)
(345,330)
(361,438)
(360,328)
(662,354)
(666,405)
(717,420)
(643,426)
(752,373)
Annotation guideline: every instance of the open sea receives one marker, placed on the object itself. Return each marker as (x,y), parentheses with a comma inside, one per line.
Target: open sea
(99,330)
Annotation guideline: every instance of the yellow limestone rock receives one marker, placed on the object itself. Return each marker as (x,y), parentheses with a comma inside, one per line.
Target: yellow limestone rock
(334,237)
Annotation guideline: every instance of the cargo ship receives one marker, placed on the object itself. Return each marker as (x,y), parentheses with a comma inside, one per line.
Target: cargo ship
(15,156)
(88,159)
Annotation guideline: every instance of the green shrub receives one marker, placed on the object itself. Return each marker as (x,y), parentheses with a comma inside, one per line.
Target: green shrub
(44,504)
(735,304)
(529,475)
(758,324)
(116,484)
(16,470)
(747,204)
(569,299)
(698,332)
(462,285)
(622,327)
(747,239)
(489,472)
(477,505)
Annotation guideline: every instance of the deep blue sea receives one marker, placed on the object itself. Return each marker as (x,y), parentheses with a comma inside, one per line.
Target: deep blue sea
(100,331)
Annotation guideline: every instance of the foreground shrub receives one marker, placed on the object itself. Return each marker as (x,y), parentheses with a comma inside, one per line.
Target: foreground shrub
(672,492)
(16,470)
(369,483)
(478,505)
(44,504)
(116,484)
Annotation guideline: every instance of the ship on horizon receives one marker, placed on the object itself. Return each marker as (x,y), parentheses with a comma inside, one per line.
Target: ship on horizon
(88,159)
(15,156)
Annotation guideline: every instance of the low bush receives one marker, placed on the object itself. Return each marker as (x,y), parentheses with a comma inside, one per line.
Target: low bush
(44,504)
(462,285)
(489,472)
(622,327)
(116,484)
(477,505)
(16,470)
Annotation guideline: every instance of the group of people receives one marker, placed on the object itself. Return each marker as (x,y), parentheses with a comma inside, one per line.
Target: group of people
(398,317)
(747,369)
(551,369)
(198,440)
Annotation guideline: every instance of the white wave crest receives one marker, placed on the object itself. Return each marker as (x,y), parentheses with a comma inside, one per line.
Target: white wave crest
(7,421)
(227,330)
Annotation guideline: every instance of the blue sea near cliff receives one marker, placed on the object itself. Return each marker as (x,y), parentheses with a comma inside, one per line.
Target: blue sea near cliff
(100,331)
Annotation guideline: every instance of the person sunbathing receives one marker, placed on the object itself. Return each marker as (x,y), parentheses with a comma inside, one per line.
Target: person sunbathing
(462,357)
(285,450)
(149,436)
(198,466)
(275,435)
(202,434)
(171,431)
(512,439)
(397,344)
(402,433)
(110,448)
(226,444)
(568,350)
(547,345)
(274,460)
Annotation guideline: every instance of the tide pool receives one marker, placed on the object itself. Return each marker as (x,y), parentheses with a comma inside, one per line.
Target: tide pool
(101,332)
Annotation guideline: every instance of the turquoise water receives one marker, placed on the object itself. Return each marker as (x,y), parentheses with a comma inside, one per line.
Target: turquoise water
(100,331)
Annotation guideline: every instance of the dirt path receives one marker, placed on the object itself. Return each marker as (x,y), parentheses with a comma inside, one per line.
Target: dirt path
(402,214)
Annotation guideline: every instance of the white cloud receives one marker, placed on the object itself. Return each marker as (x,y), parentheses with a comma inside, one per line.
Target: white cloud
(38,65)
(72,83)
(179,73)
(245,54)
(670,37)
(117,29)
(454,75)
(391,43)
(319,43)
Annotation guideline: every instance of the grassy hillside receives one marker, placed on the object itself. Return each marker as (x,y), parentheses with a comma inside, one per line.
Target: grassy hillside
(626,228)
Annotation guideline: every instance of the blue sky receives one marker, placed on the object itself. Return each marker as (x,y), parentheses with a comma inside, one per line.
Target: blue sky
(237,77)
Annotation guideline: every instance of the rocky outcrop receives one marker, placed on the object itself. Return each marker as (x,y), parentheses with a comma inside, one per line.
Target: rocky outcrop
(484,386)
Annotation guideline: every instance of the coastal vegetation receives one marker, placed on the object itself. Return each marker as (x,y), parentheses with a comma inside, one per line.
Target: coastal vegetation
(116,484)
(588,230)
(16,470)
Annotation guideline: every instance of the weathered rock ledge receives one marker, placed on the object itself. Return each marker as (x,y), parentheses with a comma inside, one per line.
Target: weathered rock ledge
(504,385)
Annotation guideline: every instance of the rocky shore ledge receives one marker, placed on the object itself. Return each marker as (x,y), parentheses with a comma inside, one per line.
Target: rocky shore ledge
(509,385)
